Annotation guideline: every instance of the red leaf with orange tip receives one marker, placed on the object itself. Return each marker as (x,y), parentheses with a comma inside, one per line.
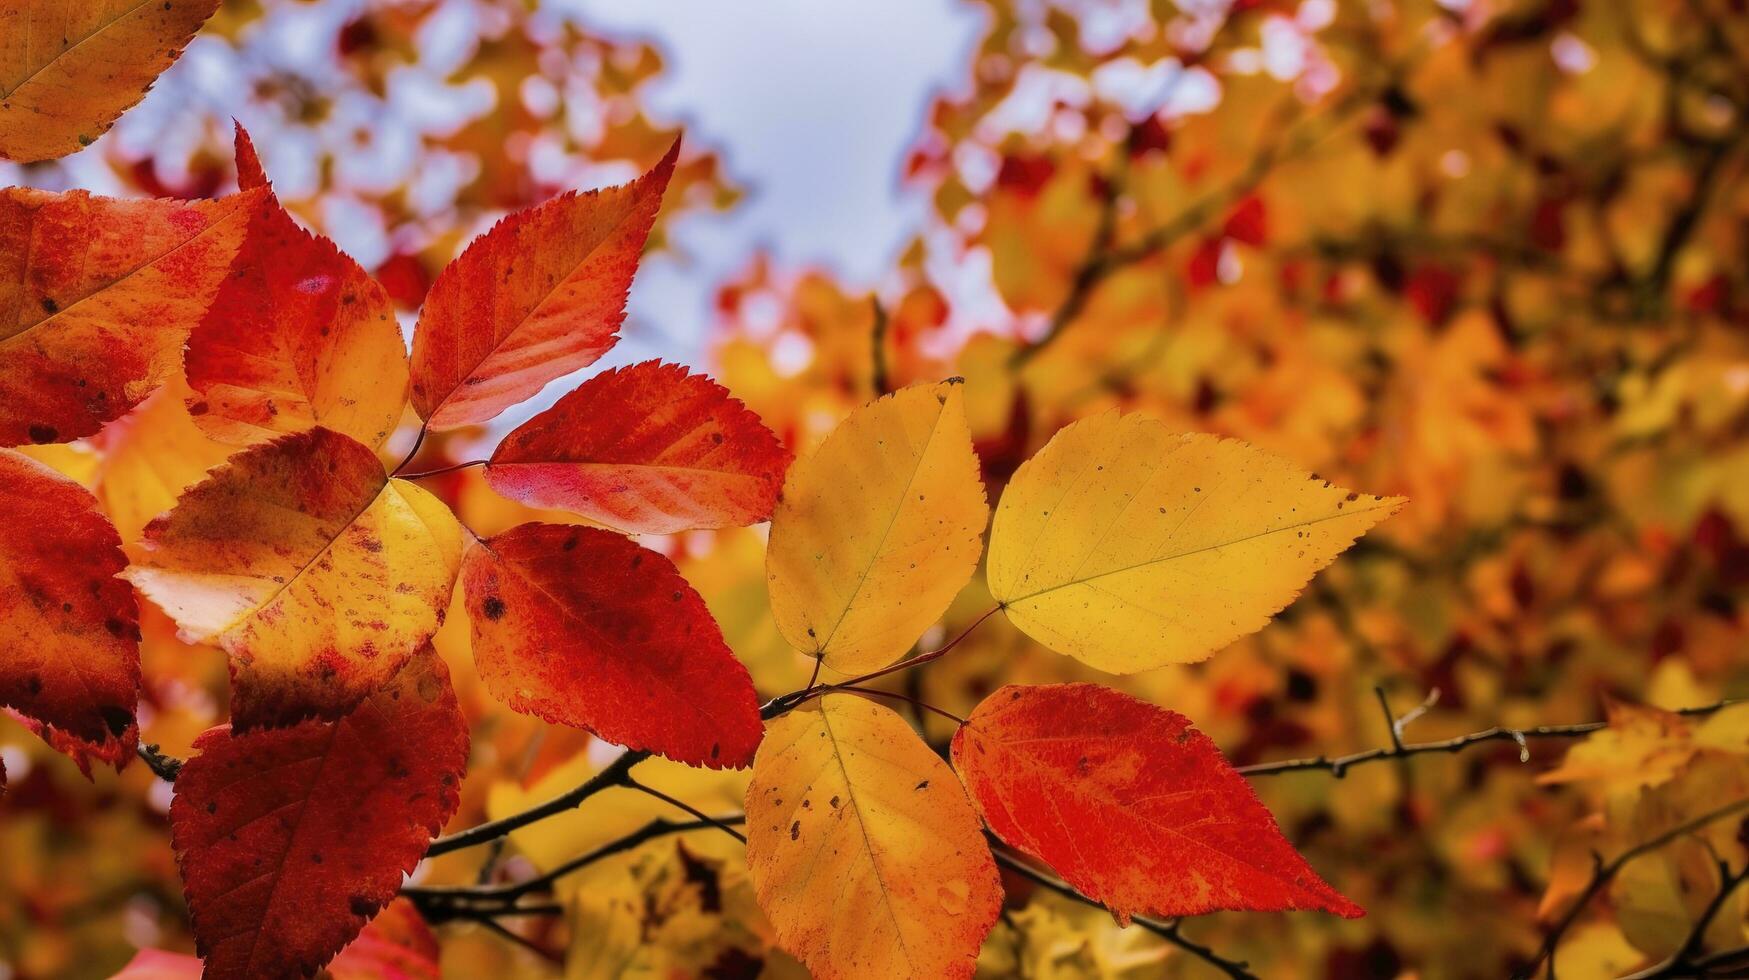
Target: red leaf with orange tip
(1129,804)
(647,449)
(69,629)
(583,627)
(96,298)
(540,295)
(298,335)
(291,839)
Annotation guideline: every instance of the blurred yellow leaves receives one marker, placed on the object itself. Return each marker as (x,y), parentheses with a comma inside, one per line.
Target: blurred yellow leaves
(1129,546)
(877,530)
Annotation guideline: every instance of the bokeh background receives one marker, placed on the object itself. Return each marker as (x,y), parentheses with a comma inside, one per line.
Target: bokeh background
(1485,253)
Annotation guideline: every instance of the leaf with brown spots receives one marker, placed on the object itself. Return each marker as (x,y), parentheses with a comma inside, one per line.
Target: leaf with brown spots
(1129,804)
(96,299)
(291,839)
(69,68)
(317,573)
(299,335)
(584,627)
(863,871)
(540,295)
(647,449)
(69,629)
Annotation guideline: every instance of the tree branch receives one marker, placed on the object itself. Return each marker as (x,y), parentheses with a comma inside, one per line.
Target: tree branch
(1235,969)
(1606,871)
(1688,960)
(166,766)
(1340,765)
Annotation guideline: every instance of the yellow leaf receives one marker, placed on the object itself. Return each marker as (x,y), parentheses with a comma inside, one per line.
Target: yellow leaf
(1128,546)
(866,855)
(68,68)
(318,574)
(877,531)
(150,456)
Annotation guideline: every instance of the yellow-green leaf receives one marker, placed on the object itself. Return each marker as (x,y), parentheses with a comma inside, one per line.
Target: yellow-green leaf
(877,530)
(1129,546)
(866,855)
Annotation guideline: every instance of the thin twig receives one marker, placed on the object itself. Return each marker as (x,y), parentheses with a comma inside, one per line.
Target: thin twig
(537,949)
(652,791)
(418,440)
(896,696)
(615,774)
(1606,871)
(1235,969)
(1688,958)
(789,702)
(504,896)
(1340,765)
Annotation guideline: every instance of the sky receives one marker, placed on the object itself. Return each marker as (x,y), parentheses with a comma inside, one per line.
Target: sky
(814,106)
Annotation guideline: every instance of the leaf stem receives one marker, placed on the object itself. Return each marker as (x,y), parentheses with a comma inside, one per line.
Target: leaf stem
(443,469)
(418,440)
(689,808)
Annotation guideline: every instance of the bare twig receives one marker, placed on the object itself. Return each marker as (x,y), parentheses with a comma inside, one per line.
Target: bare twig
(680,804)
(1169,931)
(1689,958)
(882,380)
(1606,871)
(1340,765)
(443,469)
(615,774)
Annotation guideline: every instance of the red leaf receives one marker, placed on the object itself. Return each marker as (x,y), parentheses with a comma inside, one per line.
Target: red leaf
(583,627)
(648,449)
(69,629)
(291,839)
(397,945)
(299,335)
(98,297)
(537,297)
(1129,804)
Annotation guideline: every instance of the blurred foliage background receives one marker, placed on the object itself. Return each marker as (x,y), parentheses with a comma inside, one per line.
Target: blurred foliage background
(1489,254)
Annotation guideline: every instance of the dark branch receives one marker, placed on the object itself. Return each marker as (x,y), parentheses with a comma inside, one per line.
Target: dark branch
(1235,969)
(1606,871)
(616,774)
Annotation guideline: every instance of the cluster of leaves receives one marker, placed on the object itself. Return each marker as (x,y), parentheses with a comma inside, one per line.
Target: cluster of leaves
(1487,257)
(324,576)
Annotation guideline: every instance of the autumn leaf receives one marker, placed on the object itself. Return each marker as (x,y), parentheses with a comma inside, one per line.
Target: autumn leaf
(69,629)
(290,839)
(584,627)
(317,573)
(877,530)
(149,456)
(298,335)
(1128,546)
(1129,804)
(647,449)
(865,854)
(96,300)
(69,68)
(396,945)
(540,295)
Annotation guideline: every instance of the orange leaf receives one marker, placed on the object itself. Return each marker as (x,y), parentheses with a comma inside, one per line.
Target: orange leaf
(291,839)
(68,68)
(864,853)
(96,300)
(1130,805)
(648,449)
(396,945)
(540,295)
(298,335)
(583,627)
(317,573)
(69,629)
